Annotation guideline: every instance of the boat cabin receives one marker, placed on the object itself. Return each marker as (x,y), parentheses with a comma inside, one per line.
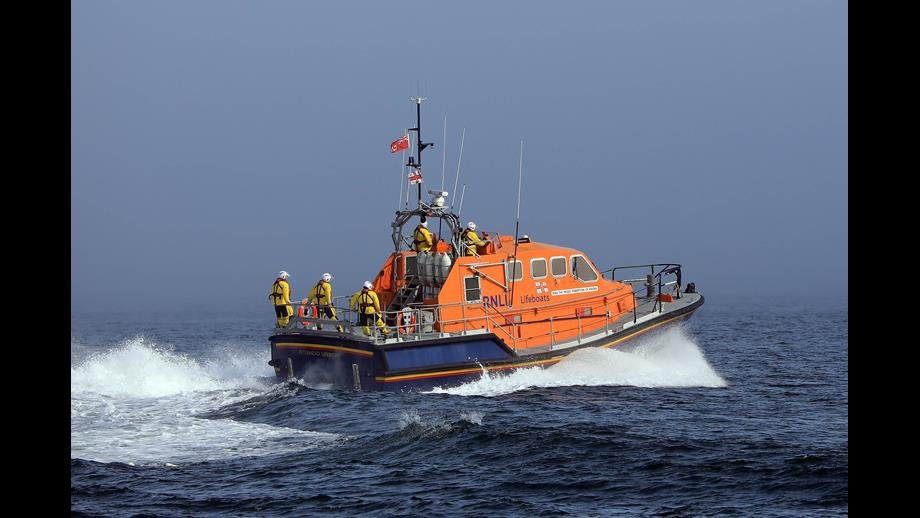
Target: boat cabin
(528,293)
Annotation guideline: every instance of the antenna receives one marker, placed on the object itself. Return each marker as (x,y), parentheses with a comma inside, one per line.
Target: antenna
(460,158)
(461,202)
(520,178)
(444,154)
(516,225)
(443,163)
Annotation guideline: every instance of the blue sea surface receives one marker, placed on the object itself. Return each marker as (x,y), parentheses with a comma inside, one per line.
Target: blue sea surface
(742,411)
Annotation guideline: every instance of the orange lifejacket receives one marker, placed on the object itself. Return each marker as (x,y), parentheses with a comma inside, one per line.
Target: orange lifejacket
(405,327)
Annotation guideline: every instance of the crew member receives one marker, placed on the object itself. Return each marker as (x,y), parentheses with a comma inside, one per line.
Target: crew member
(422,237)
(321,296)
(470,240)
(281,298)
(368,306)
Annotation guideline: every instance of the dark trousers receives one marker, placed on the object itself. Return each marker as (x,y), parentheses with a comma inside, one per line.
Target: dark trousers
(329,313)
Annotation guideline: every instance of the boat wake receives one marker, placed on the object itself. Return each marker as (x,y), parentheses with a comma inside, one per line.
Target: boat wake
(669,359)
(141,403)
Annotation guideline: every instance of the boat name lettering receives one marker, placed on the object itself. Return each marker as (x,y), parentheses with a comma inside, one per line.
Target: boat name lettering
(323,354)
(530,299)
(575,290)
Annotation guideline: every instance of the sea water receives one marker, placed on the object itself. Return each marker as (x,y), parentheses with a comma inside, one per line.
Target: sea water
(742,410)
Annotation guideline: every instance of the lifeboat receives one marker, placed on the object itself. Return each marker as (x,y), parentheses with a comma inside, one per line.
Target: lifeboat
(519,302)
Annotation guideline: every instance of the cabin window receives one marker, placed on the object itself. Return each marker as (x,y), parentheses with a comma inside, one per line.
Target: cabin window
(518,272)
(411,267)
(557,266)
(538,268)
(471,289)
(582,270)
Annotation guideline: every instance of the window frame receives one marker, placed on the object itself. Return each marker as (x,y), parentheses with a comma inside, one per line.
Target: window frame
(406,266)
(545,269)
(511,278)
(565,263)
(466,290)
(591,266)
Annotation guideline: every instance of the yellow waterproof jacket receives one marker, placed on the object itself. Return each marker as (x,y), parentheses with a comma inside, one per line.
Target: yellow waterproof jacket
(354,299)
(281,292)
(471,240)
(321,294)
(422,239)
(366,302)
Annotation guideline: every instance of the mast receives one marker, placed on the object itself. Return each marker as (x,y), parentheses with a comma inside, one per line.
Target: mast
(437,208)
(421,145)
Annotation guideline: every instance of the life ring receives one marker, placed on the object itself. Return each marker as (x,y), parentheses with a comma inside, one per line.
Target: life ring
(406,328)
(302,314)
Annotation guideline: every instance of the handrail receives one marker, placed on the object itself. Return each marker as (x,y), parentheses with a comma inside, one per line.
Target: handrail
(560,304)
(466,320)
(492,325)
(666,269)
(499,326)
(513,338)
(347,316)
(474,269)
(639,266)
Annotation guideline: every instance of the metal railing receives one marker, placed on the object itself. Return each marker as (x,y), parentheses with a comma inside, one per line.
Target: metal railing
(652,281)
(428,321)
(423,318)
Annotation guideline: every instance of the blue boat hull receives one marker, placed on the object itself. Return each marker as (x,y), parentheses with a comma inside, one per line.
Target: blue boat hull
(345,362)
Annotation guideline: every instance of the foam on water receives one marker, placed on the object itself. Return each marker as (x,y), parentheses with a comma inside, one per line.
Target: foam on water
(669,359)
(140,369)
(137,403)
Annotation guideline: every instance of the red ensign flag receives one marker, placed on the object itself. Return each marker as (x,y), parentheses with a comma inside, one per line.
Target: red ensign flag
(399,144)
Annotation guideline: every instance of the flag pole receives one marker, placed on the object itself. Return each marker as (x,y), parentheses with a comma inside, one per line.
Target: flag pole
(402,170)
(408,150)
(419,144)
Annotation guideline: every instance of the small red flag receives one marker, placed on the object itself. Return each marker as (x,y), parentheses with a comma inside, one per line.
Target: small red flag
(400,144)
(415,177)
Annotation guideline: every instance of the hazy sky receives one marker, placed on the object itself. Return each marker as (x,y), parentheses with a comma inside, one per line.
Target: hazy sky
(214,143)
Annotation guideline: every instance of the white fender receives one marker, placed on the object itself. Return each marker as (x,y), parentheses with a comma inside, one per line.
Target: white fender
(443,261)
(431,270)
(423,259)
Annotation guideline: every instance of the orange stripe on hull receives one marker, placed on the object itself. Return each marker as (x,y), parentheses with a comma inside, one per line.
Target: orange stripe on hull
(440,374)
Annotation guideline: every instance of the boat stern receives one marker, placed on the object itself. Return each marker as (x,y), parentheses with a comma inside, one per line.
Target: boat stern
(325,359)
